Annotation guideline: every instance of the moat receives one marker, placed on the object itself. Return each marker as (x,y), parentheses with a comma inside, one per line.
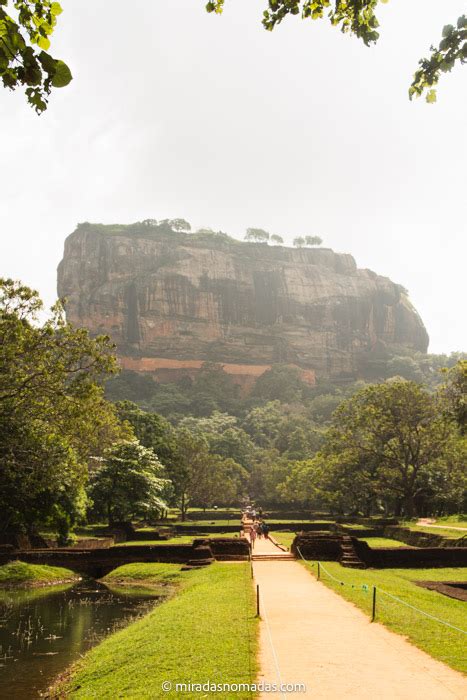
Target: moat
(44,630)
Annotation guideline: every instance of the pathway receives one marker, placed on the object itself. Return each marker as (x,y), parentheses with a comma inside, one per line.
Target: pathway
(323,641)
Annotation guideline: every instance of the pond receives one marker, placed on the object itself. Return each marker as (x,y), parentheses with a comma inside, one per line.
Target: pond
(44,630)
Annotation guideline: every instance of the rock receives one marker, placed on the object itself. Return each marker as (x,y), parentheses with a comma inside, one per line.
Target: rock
(172,301)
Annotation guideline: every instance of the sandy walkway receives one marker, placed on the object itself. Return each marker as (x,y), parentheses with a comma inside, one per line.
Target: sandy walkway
(325,642)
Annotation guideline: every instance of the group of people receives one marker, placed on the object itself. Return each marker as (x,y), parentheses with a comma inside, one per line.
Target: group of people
(258,527)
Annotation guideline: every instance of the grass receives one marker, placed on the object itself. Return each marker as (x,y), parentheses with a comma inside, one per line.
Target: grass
(286,539)
(283,538)
(18,573)
(438,640)
(382,542)
(180,539)
(152,574)
(443,532)
(207,631)
(453,521)
(200,523)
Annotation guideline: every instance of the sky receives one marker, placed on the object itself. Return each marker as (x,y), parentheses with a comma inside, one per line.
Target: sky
(301,131)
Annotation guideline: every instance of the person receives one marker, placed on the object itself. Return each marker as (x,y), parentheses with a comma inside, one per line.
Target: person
(253,515)
(259,529)
(260,512)
(265,529)
(252,535)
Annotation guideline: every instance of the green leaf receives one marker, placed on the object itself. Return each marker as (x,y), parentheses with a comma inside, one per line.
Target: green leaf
(447,30)
(56,9)
(431,96)
(43,43)
(62,75)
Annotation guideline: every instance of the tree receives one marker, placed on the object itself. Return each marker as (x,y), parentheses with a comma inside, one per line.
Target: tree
(299,242)
(278,240)
(219,480)
(179,225)
(313,240)
(200,477)
(397,432)
(53,414)
(223,436)
(24,45)
(152,431)
(191,451)
(358,17)
(128,482)
(454,394)
(281,382)
(257,234)
(263,423)
(176,224)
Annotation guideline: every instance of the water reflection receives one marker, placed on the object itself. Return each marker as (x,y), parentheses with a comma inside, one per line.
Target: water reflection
(44,630)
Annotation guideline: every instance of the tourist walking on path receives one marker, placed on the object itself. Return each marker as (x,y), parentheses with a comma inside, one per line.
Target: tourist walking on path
(252,535)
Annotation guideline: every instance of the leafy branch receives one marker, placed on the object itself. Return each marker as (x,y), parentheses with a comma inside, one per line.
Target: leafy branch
(358,17)
(24,45)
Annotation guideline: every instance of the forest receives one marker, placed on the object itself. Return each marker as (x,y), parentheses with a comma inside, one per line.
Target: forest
(82,443)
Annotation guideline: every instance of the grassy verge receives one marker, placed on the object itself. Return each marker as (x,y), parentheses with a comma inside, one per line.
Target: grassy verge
(146,575)
(200,523)
(283,538)
(178,539)
(383,542)
(437,639)
(443,532)
(22,575)
(206,632)
(453,521)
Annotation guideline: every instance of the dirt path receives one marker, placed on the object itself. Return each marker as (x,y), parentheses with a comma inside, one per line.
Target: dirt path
(323,641)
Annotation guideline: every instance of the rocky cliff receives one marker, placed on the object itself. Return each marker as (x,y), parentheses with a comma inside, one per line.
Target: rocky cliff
(172,301)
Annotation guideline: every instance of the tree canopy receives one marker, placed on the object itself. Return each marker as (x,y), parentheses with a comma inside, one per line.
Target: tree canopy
(27,25)
(358,17)
(53,414)
(129,482)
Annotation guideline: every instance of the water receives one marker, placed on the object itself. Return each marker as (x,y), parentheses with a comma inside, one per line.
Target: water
(44,630)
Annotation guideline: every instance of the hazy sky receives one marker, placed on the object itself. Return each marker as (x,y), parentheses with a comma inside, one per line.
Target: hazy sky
(176,113)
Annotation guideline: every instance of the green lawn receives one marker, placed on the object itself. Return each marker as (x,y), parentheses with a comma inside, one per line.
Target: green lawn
(284,538)
(18,573)
(178,539)
(150,574)
(443,532)
(207,631)
(200,523)
(453,521)
(382,542)
(438,640)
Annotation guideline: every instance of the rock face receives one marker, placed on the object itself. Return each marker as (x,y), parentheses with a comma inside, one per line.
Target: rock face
(172,301)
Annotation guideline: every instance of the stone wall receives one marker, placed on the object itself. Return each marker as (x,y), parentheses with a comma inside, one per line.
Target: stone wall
(410,558)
